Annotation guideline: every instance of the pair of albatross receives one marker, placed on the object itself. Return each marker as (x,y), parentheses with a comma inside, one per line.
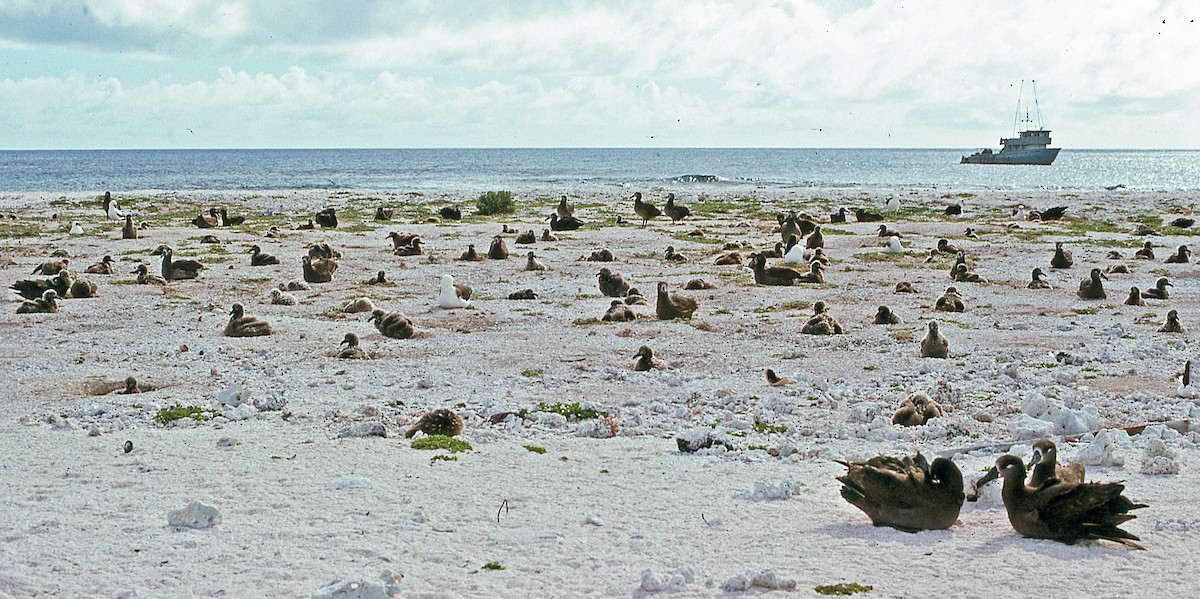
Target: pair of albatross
(912,494)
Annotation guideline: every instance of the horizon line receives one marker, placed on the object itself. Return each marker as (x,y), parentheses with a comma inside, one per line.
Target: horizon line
(364,148)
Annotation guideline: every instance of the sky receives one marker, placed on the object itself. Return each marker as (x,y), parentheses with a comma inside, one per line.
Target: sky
(82,74)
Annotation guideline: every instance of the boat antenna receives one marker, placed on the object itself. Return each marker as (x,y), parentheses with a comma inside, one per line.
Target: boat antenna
(1017,117)
(1037,108)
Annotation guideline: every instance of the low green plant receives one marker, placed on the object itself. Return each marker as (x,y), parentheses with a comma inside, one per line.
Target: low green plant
(532,372)
(763,427)
(495,202)
(442,442)
(177,412)
(573,411)
(535,449)
(493,566)
(443,457)
(843,588)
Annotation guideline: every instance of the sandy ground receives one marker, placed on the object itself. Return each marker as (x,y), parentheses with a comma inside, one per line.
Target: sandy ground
(595,514)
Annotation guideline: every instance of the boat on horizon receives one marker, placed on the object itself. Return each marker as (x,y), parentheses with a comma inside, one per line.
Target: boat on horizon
(1028,147)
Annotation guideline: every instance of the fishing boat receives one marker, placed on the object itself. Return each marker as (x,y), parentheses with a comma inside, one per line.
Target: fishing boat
(1028,147)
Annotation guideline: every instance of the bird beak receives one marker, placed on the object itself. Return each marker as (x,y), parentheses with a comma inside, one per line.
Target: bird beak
(1103,276)
(991,475)
(1037,457)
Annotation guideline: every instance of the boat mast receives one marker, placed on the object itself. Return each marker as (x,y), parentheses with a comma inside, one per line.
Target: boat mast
(1036,107)
(1017,117)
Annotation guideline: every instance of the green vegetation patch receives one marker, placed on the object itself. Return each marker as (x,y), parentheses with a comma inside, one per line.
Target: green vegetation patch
(573,411)
(493,566)
(535,449)
(763,427)
(843,588)
(495,202)
(532,372)
(442,442)
(177,412)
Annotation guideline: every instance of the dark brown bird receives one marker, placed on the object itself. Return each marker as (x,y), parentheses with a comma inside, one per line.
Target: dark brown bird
(962,275)
(174,270)
(145,277)
(815,274)
(673,211)
(1146,253)
(352,349)
(46,304)
(885,232)
(306,226)
(601,255)
(569,223)
(1036,281)
(772,275)
(698,285)
(392,324)
(83,288)
(318,271)
(905,287)
(1172,324)
(618,311)
(934,345)
(865,216)
(527,237)
(884,315)
(907,494)
(229,221)
(916,410)
(839,216)
(644,359)
(1054,213)
(821,322)
(241,325)
(380,278)
(670,255)
(1135,297)
(1092,287)
(450,213)
(612,284)
(498,250)
(731,258)
(205,222)
(944,246)
(400,240)
(643,210)
(103,267)
(1066,512)
(1045,466)
(438,422)
(815,240)
(128,231)
(1182,255)
(564,208)
(327,218)
(950,301)
(52,267)
(471,255)
(1062,258)
(775,380)
(258,258)
(414,248)
(1182,222)
(670,306)
(548,236)
(1159,291)
(382,213)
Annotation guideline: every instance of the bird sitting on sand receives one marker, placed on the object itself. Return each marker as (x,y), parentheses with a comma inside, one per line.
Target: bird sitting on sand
(174,270)
(382,213)
(282,298)
(210,239)
(1159,291)
(944,247)
(1036,280)
(438,422)
(893,246)
(548,236)
(532,263)
(1145,253)
(815,274)
(818,255)
(908,494)
(241,325)
(34,288)
(962,275)
(111,209)
(259,258)
(1172,324)
(1063,511)
(916,410)
(83,288)
(674,211)
(731,258)
(1092,287)
(295,285)
(103,267)
(145,277)
(1182,222)
(905,287)
(1135,297)
(327,218)
(75,229)
(670,255)
(498,250)
(772,275)
(52,267)
(1182,255)
(971,233)
(670,306)
(1062,258)
(775,380)
(954,209)
(362,304)
(1114,255)
(934,344)
(205,222)
(352,349)
(1045,466)
(839,216)
(449,296)
(644,210)
(866,216)
(644,360)
(527,237)
(569,223)
(471,255)
(523,294)
(450,212)
(392,324)
(618,311)
(1186,389)
(564,208)
(229,221)
(413,248)
(778,251)
(379,278)
(885,232)
(1054,213)
(612,284)
(400,240)
(950,301)
(793,253)
(698,285)
(884,315)
(815,240)
(318,271)
(128,231)
(635,298)
(601,255)
(1117,269)
(821,322)
(47,303)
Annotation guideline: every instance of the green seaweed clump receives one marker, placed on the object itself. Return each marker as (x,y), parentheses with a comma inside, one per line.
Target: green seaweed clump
(843,588)
(176,412)
(495,202)
(442,442)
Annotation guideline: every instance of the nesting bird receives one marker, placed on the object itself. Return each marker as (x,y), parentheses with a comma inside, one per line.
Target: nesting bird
(241,325)
(527,237)
(392,324)
(1063,511)
(532,263)
(382,213)
(362,304)
(893,246)
(612,284)
(379,278)
(83,288)
(601,255)
(731,258)
(327,218)
(821,322)
(280,297)
(1145,253)
(259,258)
(1062,258)
(644,210)
(318,271)
(413,248)
(103,267)
(52,267)
(450,212)
(885,232)
(75,229)
(1159,291)
(866,216)
(916,410)
(698,285)
(670,306)
(145,277)
(1092,287)
(229,221)
(950,301)
(618,311)
(1135,297)
(471,255)
(1172,324)
(670,255)
(47,303)
(772,275)
(548,236)
(174,270)
(884,315)
(438,422)
(1186,389)
(205,222)
(1036,280)
(908,494)
(1182,255)
(934,345)
(351,350)
(449,296)
(944,247)
(498,250)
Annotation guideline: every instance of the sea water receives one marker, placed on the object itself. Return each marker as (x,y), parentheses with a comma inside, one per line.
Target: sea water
(584,169)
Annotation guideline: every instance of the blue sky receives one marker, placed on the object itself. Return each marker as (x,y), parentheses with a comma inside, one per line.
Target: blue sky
(671,73)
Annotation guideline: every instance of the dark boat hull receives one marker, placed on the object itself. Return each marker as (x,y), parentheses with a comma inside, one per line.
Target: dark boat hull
(1040,157)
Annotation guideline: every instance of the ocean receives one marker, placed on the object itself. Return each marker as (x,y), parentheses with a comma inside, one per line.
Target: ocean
(93,171)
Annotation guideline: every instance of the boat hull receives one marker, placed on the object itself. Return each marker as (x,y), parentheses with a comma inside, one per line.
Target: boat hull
(1040,157)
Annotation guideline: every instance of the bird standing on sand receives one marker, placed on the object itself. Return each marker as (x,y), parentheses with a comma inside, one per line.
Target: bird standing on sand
(110,207)
(1186,390)
(448,296)
(934,345)
(241,325)
(644,210)
(673,211)
(564,208)
(128,231)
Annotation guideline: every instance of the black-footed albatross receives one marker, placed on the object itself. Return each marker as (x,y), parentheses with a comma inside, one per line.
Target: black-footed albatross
(908,494)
